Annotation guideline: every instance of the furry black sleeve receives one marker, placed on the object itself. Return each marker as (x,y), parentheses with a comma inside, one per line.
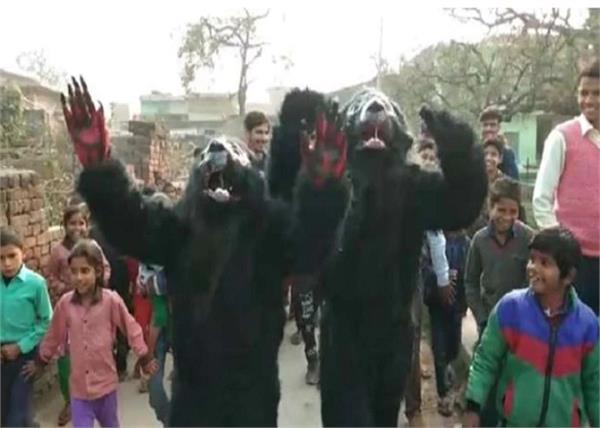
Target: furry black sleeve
(317,215)
(133,226)
(453,199)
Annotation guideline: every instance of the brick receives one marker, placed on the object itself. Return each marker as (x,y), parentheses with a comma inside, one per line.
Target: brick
(21,220)
(37,203)
(14,208)
(43,238)
(29,242)
(20,230)
(45,260)
(36,216)
(28,253)
(10,194)
(25,178)
(35,179)
(35,228)
(26,205)
(36,191)
(37,251)
(3,181)
(45,249)
(13,180)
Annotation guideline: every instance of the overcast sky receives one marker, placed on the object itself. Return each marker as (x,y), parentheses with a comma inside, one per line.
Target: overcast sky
(128,48)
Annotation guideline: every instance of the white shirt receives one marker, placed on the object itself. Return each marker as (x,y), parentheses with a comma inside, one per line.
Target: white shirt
(551,169)
(437,248)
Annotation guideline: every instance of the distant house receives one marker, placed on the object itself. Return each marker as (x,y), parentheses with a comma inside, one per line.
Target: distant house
(526,133)
(193,114)
(42,107)
(119,116)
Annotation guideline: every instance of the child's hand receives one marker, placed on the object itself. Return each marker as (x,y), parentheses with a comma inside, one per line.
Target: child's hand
(30,369)
(471,420)
(448,294)
(11,352)
(150,368)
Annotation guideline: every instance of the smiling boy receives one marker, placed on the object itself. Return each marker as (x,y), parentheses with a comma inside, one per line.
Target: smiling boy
(498,253)
(544,343)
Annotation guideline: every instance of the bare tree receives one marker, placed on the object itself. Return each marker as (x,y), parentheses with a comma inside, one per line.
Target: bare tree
(205,39)
(36,63)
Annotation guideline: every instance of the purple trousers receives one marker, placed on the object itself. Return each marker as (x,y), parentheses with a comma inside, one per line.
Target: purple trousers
(104,409)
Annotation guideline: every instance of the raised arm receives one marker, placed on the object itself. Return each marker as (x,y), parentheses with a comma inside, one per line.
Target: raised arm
(321,194)
(132,225)
(453,199)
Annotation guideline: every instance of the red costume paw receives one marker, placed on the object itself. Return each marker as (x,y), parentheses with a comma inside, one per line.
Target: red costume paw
(324,151)
(86,125)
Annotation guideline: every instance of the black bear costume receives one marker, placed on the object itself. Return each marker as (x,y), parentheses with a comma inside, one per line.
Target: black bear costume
(369,276)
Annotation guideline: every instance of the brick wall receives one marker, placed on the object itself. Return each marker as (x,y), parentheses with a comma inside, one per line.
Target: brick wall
(144,151)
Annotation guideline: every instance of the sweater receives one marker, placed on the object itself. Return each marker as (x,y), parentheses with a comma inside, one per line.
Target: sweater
(548,369)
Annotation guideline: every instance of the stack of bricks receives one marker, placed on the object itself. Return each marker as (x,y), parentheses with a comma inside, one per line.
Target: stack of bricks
(22,202)
(144,150)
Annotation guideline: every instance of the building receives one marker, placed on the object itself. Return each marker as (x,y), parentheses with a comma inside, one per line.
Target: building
(119,116)
(526,133)
(42,110)
(194,114)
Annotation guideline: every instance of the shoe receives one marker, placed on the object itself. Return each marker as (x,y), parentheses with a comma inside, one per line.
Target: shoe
(445,406)
(143,387)
(64,417)
(312,370)
(296,338)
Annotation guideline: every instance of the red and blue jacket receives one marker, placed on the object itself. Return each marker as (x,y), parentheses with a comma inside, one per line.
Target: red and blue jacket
(547,369)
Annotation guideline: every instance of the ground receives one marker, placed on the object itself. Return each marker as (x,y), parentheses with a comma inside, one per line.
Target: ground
(299,405)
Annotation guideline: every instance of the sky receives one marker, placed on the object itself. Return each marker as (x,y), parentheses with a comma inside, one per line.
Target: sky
(127,48)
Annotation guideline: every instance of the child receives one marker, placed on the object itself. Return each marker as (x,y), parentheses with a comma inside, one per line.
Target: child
(25,312)
(492,153)
(544,343)
(90,316)
(497,257)
(75,223)
(446,316)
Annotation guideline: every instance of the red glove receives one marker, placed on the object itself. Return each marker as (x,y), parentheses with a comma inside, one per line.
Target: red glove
(86,125)
(324,151)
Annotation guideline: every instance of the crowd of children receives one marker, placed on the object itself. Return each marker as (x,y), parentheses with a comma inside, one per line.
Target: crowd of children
(74,316)
(536,362)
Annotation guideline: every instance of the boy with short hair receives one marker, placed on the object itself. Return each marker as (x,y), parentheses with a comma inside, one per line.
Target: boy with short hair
(492,153)
(25,313)
(490,119)
(498,253)
(258,134)
(544,343)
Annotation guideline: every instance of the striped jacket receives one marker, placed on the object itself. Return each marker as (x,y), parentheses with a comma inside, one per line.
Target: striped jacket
(548,371)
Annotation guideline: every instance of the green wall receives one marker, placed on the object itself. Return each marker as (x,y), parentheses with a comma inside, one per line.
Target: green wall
(524,129)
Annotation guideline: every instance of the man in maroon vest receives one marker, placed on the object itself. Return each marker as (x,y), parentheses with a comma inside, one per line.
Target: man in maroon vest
(567,189)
